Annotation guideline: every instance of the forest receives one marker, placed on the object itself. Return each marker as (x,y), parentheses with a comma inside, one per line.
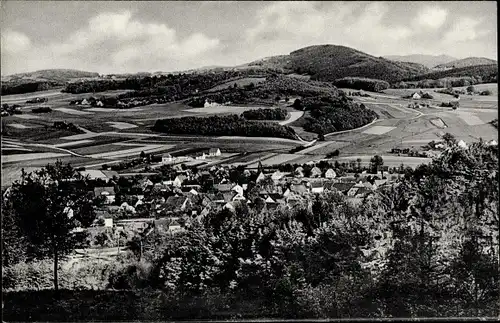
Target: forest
(359,83)
(265,114)
(328,115)
(425,246)
(28,87)
(232,125)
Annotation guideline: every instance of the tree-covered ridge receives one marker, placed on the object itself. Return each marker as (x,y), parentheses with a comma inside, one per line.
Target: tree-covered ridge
(27,87)
(335,114)
(174,85)
(484,73)
(232,125)
(265,114)
(359,83)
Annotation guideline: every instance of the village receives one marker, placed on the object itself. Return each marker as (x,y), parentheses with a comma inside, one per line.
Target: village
(179,193)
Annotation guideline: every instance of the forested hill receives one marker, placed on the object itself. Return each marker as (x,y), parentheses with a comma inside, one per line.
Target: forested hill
(331,62)
(487,73)
(427,60)
(51,75)
(467,62)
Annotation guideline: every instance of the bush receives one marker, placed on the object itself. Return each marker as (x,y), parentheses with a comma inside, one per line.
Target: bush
(265,114)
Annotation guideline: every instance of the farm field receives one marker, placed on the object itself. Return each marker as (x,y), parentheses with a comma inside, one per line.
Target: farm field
(239,82)
(397,126)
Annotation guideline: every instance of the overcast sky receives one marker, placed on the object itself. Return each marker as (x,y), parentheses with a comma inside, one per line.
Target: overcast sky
(122,36)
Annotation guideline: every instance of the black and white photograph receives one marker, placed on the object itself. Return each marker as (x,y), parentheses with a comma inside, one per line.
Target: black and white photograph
(249,161)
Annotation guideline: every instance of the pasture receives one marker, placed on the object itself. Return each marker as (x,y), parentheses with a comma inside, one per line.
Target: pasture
(242,82)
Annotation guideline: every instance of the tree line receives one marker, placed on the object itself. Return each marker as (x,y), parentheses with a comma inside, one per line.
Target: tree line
(232,125)
(265,114)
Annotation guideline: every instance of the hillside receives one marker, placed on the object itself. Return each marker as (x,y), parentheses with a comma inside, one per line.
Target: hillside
(487,73)
(331,62)
(428,61)
(467,62)
(51,75)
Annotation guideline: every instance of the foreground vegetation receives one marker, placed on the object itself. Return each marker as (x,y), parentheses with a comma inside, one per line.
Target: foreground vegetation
(232,125)
(425,246)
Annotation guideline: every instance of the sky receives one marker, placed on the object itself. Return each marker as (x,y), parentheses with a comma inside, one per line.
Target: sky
(148,36)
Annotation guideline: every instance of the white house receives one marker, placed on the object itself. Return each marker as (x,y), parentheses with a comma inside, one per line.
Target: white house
(214,152)
(210,104)
(416,96)
(238,189)
(178,181)
(167,158)
(85,102)
(108,192)
(99,104)
(260,178)
(317,187)
(277,175)
(330,173)
(315,172)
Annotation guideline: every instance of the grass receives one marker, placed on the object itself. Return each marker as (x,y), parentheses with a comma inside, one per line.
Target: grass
(240,82)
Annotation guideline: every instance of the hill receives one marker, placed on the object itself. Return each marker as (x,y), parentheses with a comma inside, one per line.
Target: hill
(331,62)
(486,73)
(51,75)
(428,61)
(467,62)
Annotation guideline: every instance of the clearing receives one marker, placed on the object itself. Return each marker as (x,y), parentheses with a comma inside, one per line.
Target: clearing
(121,125)
(378,130)
(72,111)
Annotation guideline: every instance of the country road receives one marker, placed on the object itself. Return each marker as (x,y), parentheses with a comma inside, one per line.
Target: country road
(294,116)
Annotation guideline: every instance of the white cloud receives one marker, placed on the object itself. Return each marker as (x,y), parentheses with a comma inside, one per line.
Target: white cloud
(14,42)
(293,18)
(116,41)
(431,17)
(464,29)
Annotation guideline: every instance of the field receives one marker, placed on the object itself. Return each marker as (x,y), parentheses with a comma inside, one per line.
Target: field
(32,142)
(239,82)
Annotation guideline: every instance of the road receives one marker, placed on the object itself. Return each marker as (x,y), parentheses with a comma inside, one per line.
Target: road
(294,116)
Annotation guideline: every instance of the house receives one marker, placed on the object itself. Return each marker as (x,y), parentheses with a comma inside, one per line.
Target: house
(317,187)
(277,175)
(238,189)
(330,173)
(108,192)
(167,158)
(199,156)
(343,187)
(179,180)
(315,172)
(99,104)
(223,187)
(238,197)
(299,173)
(416,96)
(298,189)
(85,102)
(210,104)
(260,178)
(353,191)
(214,152)
(178,203)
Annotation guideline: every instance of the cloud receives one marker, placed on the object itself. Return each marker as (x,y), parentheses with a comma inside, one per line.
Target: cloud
(14,42)
(431,17)
(281,19)
(464,29)
(117,41)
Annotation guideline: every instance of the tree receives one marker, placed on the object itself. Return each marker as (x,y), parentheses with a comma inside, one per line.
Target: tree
(449,139)
(358,161)
(49,205)
(471,89)
(376,163)
(321,137)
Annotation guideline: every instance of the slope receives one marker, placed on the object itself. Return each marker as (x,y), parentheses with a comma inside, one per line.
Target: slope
(428,61)
(467,62)
(331,62)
